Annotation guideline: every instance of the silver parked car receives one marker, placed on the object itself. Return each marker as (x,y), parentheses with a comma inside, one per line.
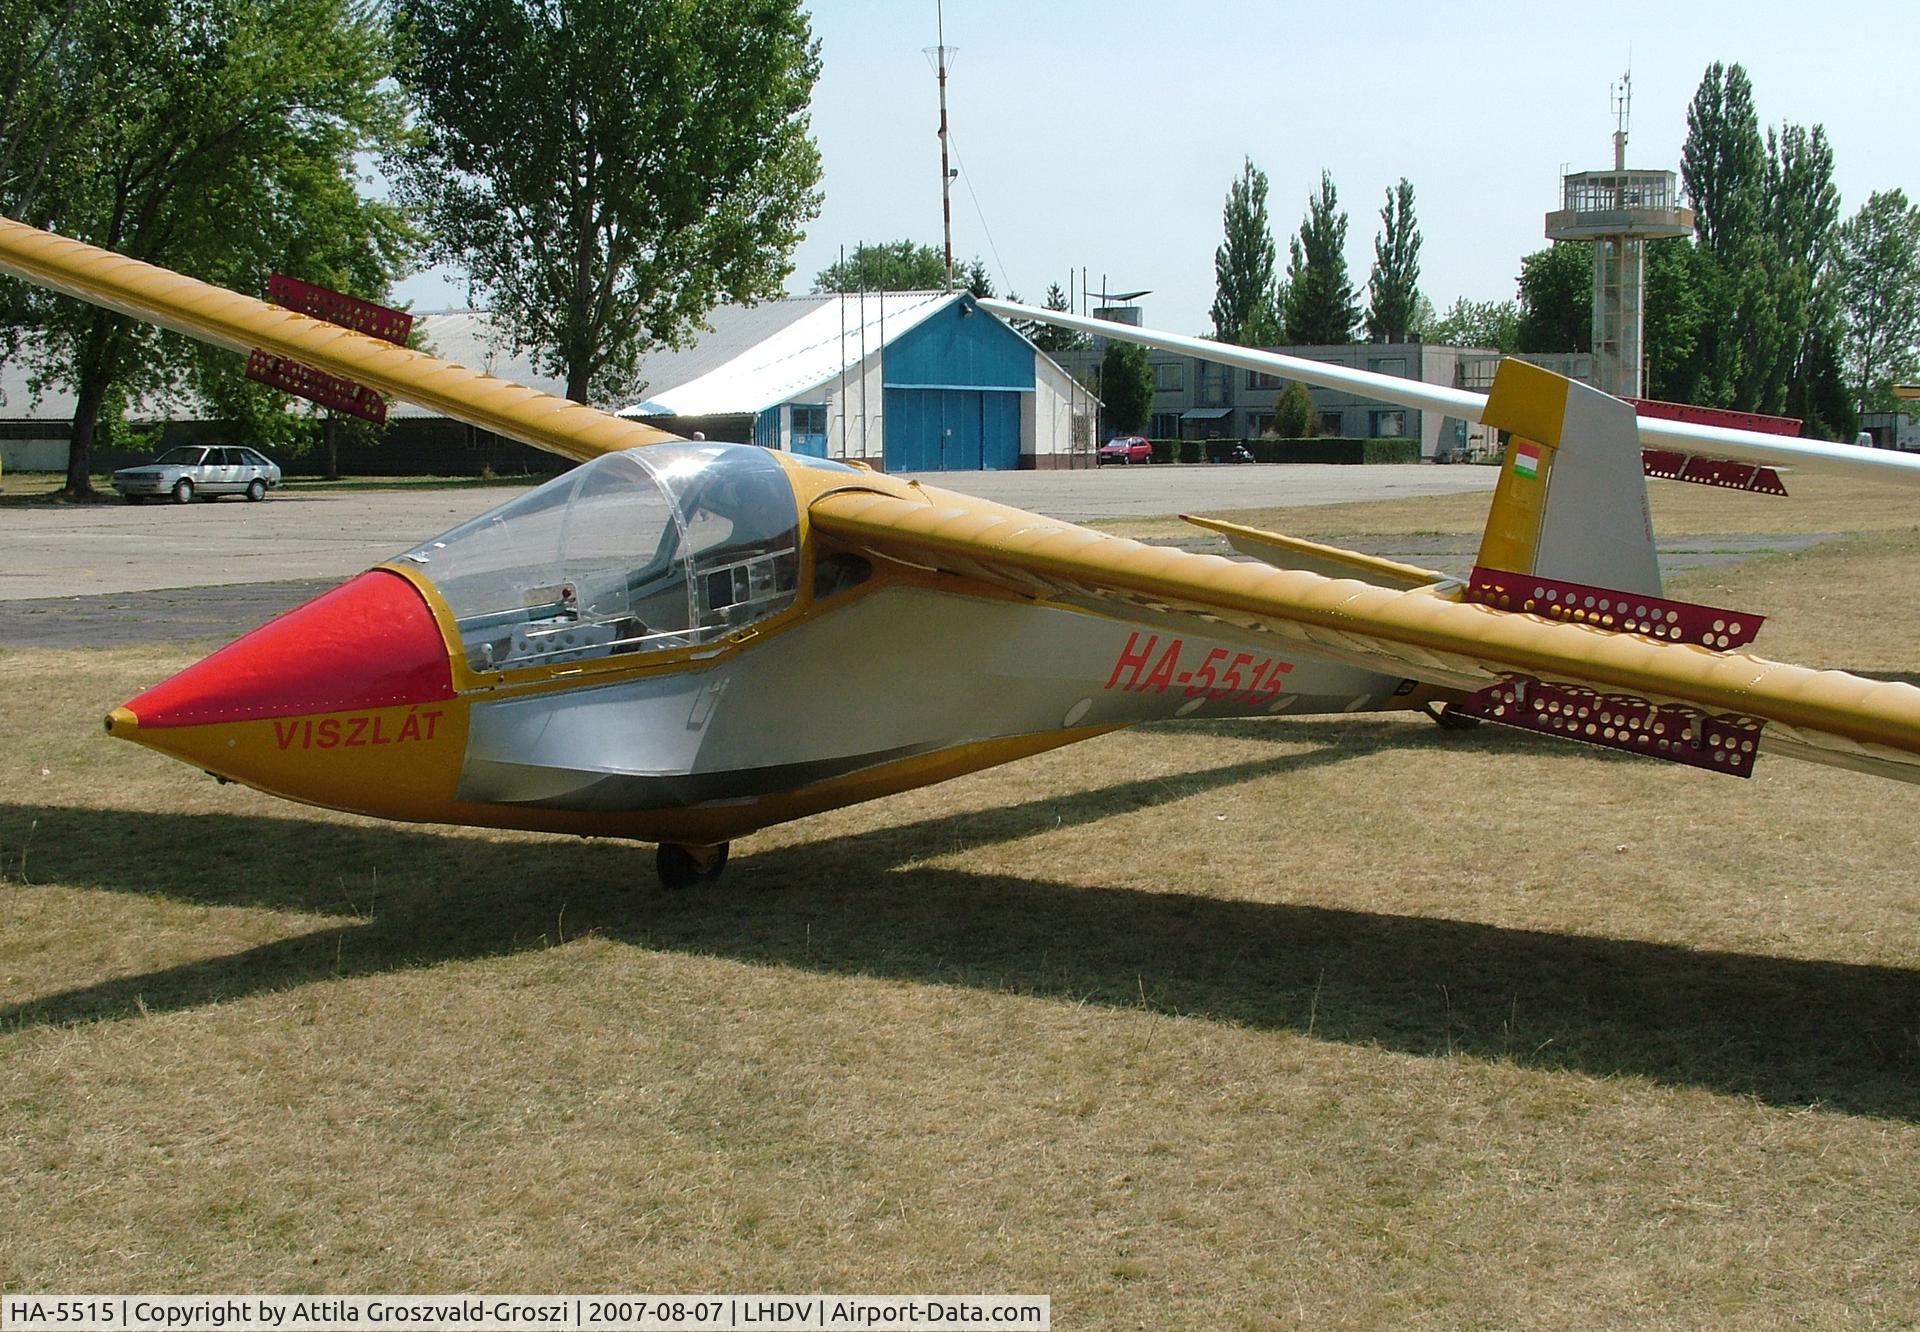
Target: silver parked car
(200,469)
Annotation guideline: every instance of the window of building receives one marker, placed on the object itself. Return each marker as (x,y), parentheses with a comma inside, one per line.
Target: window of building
(1165,425)
(810,419)
(1169,377)
(1332,424)
(1215,388)
(1260,379)
(1388,365)
(1387,424)
(1263,423)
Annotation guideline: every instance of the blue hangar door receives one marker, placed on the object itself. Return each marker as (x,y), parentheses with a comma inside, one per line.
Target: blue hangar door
(953,386)
(952,430)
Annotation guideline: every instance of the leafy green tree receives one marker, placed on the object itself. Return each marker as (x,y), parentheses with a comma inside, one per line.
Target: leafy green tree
(610,170)
(1053,338)
(1679,275)
(1243,265)
(1556,299)
(1393,288)
(1466,323)
(1424,316)
(57,62)
(225,149)
(1320,298)
(885,266)
(1879,290)
(55,66)
(1294,416)
(1126,386)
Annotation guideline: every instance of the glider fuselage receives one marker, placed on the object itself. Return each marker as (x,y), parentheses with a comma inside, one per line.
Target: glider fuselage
(655,646)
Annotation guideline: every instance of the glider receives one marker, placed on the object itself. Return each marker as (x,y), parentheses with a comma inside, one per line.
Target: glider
(681,642)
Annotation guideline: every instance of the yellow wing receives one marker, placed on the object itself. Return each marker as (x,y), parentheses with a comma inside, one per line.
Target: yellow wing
(227,319)
(1424,634)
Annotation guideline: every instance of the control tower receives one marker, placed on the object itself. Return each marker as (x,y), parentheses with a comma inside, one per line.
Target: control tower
(1619,211)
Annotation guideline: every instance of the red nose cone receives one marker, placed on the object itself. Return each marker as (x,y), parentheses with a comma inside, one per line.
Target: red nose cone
(370,643)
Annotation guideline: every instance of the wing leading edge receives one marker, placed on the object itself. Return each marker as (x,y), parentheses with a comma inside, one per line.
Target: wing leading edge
(1425,633)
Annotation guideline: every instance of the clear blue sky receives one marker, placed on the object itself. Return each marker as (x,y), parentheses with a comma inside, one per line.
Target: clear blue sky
(1105,134)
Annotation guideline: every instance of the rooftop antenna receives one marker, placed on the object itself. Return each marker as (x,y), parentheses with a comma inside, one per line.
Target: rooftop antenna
(940,54)
(1621,94)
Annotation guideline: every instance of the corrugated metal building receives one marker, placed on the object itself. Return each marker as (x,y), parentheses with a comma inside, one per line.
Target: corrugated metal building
(903,381)
(907,381)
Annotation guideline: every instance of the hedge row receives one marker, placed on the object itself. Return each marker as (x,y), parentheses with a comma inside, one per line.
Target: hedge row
(1326,449)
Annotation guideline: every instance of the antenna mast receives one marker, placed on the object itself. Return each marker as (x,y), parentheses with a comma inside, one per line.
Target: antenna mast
(940,53)
(1622,94)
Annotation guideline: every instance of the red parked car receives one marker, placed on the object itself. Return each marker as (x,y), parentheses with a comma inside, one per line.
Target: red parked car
(1126,449)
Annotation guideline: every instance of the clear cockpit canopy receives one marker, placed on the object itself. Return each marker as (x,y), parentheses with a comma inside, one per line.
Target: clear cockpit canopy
(667,546)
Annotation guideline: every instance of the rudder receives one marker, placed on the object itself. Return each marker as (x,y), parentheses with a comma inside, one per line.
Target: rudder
(1571,502)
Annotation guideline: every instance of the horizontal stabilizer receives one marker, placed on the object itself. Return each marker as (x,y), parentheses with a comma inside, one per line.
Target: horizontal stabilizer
(1727,742)
(1619,612)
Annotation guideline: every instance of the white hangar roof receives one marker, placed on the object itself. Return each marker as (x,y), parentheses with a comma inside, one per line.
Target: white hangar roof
(754,356)
(750,363)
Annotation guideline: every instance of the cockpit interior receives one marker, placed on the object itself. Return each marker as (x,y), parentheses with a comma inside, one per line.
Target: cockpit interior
(644,550)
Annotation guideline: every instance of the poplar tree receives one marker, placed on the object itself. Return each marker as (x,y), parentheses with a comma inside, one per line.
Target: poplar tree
(1723,162)
(1393,287)
(1320,298)
(1243,265)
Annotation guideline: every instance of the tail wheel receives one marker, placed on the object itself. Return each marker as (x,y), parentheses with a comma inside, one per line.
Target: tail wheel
(689,866)
(183,491)
(1447,719)
(256,490)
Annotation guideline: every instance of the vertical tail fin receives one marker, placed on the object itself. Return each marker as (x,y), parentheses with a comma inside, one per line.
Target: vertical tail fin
(1571,503)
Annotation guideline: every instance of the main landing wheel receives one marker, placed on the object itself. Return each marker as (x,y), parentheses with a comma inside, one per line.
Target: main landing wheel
(689,866)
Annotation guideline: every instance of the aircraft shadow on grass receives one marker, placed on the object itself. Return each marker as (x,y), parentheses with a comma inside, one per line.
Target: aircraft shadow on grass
(1784,1031)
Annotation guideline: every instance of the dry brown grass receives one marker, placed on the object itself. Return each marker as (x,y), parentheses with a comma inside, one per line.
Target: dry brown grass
(1343,1023)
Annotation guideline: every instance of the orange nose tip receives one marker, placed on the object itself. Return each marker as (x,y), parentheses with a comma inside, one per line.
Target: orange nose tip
(369,643)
